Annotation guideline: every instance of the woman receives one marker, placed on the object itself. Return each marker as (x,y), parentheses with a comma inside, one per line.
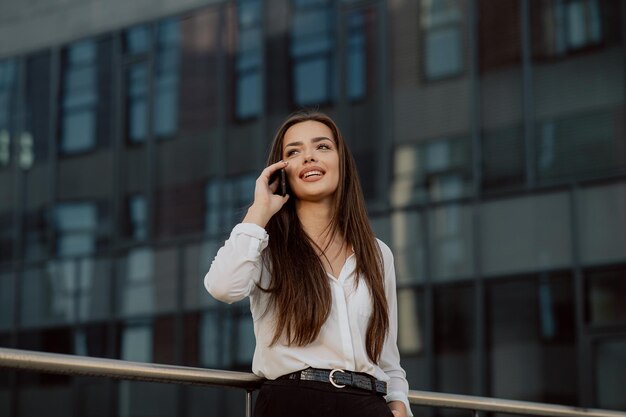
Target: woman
(321,286)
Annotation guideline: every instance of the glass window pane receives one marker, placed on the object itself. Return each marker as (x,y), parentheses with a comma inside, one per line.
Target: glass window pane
(454,339)
(48,298)
(138,39)
(7,303)
(249,94)
(541,227)
(410,322)
(147,282)
(443,52)
(312,81)
(450,239)
(531,339)
(605,295)
(197,260)
(601,223)
(408,246)
(610,374)
(165,109)
(79,131)
(580,145)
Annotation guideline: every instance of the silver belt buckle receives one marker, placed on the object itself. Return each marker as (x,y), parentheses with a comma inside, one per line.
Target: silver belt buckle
(330,378)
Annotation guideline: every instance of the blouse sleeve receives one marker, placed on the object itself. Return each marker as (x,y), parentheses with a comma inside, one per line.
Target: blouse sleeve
(397,387)
(238,265)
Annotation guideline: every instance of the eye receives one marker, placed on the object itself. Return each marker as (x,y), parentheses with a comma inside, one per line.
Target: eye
(324,146)
(291,152)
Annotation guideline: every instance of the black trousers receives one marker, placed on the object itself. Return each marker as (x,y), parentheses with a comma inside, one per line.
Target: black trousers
(293,398)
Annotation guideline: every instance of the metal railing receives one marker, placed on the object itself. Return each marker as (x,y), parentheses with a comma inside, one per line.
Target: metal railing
(117,369)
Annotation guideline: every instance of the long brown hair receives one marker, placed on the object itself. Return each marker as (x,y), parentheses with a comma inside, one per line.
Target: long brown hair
(300,293)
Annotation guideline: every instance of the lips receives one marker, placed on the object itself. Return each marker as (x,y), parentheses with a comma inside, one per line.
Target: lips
(311,173)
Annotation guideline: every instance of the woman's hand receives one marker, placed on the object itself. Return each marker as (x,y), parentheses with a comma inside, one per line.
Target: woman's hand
(266,203)
(398,409)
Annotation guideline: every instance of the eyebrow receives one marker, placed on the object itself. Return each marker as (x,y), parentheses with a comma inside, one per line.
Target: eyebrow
(314,140)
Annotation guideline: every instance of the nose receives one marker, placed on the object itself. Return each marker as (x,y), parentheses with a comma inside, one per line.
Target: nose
(308,156)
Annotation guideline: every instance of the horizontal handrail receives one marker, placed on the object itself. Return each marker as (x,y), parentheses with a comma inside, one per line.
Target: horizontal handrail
(138,371)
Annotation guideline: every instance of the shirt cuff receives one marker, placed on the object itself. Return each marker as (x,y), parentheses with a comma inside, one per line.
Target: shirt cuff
(399,396)
(259,238)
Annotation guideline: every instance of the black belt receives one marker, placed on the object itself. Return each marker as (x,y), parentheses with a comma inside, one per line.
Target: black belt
(340,379)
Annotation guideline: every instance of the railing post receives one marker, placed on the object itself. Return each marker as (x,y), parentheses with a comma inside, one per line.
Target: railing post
(248,403)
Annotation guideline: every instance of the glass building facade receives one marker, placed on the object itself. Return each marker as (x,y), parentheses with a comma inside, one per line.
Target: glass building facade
(490,138)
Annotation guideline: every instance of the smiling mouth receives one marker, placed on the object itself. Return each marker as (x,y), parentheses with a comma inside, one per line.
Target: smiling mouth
(312,174)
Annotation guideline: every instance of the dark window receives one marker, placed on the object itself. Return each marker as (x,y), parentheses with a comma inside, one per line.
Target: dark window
(163,44)
(226,202)
(137,102)
(137,217)
(442,31)
(579,145)
(531,339)
(504,164)
(435,170)
(356,61)
(76,228)
(605,295)
(499,34)
(609,357)
(80,98)
(312,48)
(248,95)
(563,27)
(166,77)
(454,339)
(8,88)
(37,120)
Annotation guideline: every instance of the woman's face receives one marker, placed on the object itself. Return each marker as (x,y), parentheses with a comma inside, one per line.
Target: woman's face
(313,170)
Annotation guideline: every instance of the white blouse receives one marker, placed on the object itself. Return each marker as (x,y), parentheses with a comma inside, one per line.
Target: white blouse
(237,269)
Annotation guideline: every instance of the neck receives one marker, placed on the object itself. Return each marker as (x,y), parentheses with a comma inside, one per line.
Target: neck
(315,218)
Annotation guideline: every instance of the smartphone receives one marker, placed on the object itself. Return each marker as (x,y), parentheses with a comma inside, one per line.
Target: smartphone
(281,177)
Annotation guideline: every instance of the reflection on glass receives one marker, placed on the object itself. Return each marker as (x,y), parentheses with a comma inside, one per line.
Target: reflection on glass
(571,25)
(76,228)
(610,374)
(450,237)
(408,247)
(48,298)
(136,294)
(436,170)
(312,44)
(410,322)
(532,343)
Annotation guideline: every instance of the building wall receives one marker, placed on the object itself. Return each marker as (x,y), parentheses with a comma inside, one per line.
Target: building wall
(490,139)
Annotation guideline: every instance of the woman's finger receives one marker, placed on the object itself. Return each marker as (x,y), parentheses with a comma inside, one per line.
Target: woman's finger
(270,169)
